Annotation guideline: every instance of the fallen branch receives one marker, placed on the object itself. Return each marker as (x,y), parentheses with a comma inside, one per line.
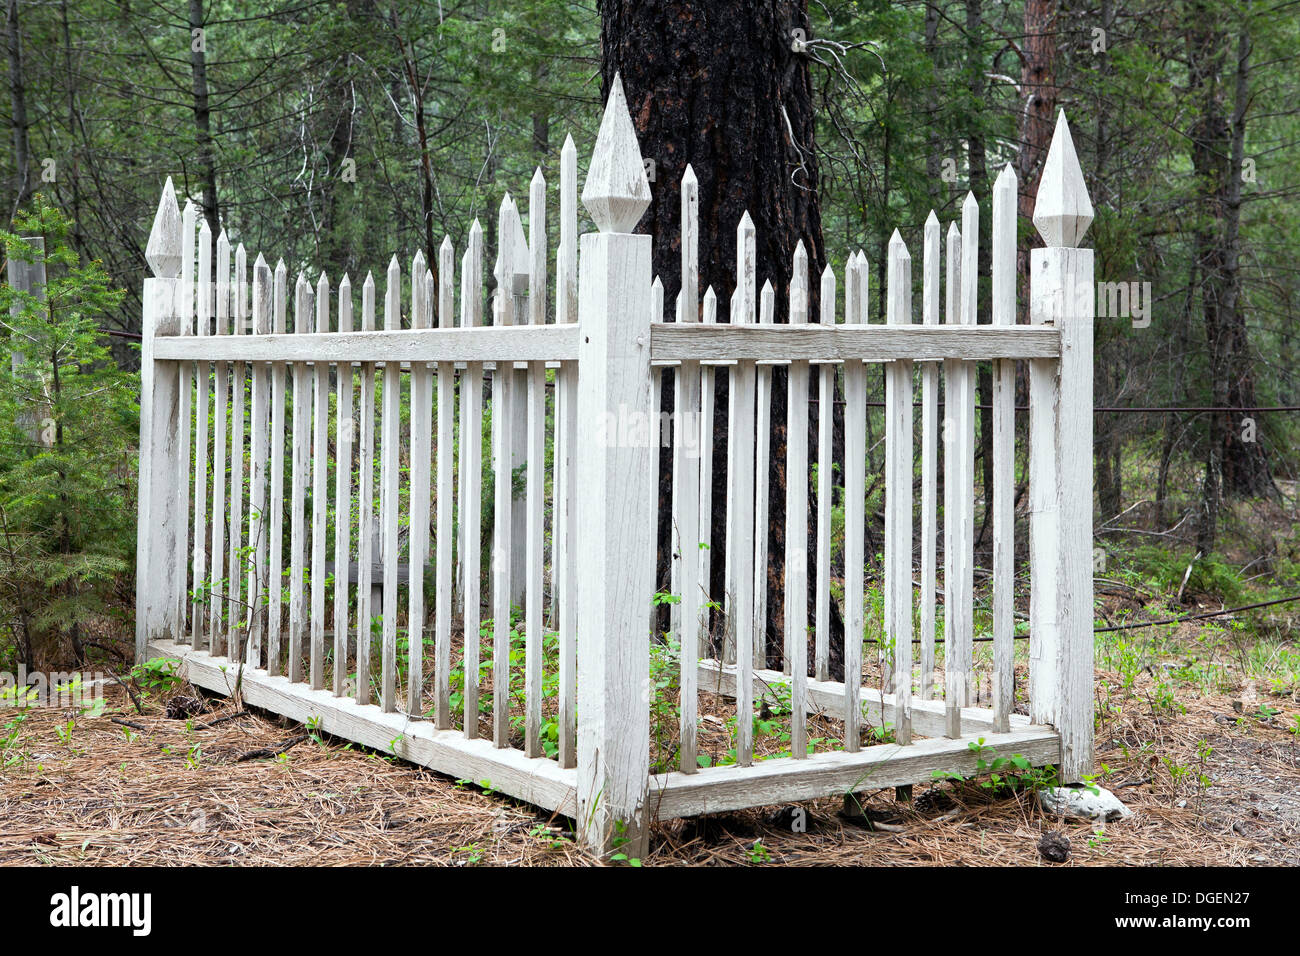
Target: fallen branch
(263,753)
(221,720)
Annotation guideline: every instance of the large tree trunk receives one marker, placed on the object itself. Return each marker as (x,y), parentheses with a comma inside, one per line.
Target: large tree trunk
(203,120)
(1231,464)
(18,108)
(716,84)
(1245,465)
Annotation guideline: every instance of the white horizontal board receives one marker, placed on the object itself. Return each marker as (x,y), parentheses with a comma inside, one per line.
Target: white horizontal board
(537,343)
(672,342)
(538,781)
(928,716)
(786,780)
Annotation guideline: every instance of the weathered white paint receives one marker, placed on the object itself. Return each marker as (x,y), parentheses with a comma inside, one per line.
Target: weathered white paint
(931,265)
(220,449)
(202,382)
(275,562)
(929,717)
(185,375)
(796,516)
(898,495)
(502,525)
(419,485)
(825,484)
(547,343)
(258,454)
(542,783)
(708,404)
(389,505)
(855,516)
(1004,451)
(834,773)
(762,470)
(471,472)
(954,386)
(1061,600)
(616,522)
(366,529)
(164,249)
(345,432)
(602,553)
(740,493)
(686,479)
(719,344)
(298,496)
(617,190)
(156,556)
(444,568)
(319,489)
(535,503)
(235,615)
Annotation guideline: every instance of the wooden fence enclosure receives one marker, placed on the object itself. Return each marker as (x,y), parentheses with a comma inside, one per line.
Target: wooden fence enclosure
(503,633)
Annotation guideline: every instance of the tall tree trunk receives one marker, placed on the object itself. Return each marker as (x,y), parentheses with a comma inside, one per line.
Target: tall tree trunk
(18,107)
(203,118)
(934,141)
(1038,91)
(979,181)
(716,84)
(1245,465)
(1210,161)
(408,55)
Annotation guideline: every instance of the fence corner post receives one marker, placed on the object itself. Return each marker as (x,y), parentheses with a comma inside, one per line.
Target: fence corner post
(615,516)
(156,555)
(1062,292)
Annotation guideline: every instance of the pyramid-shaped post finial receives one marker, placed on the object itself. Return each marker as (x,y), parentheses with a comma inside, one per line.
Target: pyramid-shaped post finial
(1062,209)
(163,251)
(617,190)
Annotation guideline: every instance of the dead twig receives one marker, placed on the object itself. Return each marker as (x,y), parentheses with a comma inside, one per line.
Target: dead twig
(263,753)
(221,720)
(131,692)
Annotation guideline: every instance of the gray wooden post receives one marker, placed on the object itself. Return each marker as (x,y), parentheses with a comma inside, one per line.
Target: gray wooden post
(157,559)
(615,519)
(1061,606)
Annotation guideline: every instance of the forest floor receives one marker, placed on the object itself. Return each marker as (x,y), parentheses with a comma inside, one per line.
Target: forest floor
(1193,735)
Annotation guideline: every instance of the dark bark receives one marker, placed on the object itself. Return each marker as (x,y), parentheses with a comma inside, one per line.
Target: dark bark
(979,182)
(1038,91)
(717,85)
(933,134)
(1217,143)
(18,107)
(1246,469)
(203,122)
(407,53)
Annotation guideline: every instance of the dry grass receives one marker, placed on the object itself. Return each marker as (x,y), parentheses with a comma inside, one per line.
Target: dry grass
(175,793)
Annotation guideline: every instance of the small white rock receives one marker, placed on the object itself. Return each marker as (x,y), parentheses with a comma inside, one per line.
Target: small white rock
(1080,803)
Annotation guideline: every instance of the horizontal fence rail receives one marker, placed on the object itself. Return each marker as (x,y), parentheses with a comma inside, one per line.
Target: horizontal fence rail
(674,342)
(429,516)
(548,343)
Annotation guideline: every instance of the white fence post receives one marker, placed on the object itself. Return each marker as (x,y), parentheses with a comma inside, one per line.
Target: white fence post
(616,506)
(156,557)
(1061,611)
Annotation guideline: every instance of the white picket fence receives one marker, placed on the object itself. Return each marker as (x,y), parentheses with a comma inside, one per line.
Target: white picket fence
(211,559)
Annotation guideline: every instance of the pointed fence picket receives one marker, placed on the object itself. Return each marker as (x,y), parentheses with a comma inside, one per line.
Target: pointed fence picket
(570,718)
